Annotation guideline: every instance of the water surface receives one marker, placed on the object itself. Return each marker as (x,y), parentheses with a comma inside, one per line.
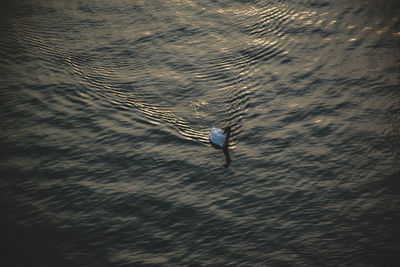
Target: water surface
(105,114)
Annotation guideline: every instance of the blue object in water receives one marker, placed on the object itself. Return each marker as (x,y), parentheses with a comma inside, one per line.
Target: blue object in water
(217,137)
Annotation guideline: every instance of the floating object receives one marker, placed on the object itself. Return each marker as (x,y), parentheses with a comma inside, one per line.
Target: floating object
(217,137)
(220,139)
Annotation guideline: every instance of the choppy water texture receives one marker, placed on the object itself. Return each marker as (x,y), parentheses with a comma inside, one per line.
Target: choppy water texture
(105,113)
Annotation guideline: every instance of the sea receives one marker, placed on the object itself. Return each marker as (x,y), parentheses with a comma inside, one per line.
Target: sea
(105,116)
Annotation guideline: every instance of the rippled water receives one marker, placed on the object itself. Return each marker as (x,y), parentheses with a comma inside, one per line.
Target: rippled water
(106,108)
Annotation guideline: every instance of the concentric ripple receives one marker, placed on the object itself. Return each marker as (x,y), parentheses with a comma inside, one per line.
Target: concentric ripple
(158,70)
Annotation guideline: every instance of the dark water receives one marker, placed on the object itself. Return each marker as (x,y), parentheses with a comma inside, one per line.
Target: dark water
(105,113)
